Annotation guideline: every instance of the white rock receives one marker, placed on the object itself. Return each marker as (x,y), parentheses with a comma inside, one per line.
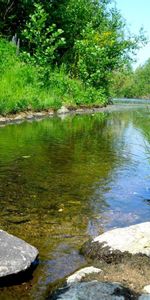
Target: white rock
(29,117)
(40,114)
(3,119)
(63,110)
(77,276)
(135,239)
(146,289)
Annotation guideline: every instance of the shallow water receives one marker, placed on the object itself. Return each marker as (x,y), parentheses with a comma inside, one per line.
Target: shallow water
(63,180)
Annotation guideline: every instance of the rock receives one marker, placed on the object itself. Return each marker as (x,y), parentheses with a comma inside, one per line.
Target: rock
(63,110)
(50,112)
(116,243)
(40,114)
(2,120)
(146,289)
(29,116)
(15,254)
(80,110)
(18,117)
(93,290)
(77,276)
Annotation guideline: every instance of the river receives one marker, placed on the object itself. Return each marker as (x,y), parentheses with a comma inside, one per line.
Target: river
(63,180)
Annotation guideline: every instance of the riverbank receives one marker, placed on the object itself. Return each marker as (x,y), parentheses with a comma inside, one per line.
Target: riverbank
(26,87)
(34,115)
(31,115)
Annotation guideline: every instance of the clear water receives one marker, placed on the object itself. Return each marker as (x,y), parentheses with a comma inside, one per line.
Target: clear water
(64,180)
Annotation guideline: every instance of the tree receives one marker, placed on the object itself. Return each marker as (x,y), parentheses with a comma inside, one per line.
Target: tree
(13,16)
(132,84)
(42,39)
(88,36)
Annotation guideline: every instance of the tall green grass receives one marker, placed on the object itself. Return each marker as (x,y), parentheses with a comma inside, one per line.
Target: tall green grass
(22,87)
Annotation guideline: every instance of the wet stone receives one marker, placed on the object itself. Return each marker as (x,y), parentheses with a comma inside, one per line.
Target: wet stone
(116,243)
(15,255)
(93,290)
(78,275)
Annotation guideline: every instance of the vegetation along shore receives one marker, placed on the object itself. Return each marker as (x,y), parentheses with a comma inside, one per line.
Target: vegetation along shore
(61,54)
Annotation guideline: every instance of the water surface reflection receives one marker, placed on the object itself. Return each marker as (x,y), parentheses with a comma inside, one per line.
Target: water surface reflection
(64,180)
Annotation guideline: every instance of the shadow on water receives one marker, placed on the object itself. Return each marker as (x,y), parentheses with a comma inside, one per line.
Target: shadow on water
(19,278)
(62,181)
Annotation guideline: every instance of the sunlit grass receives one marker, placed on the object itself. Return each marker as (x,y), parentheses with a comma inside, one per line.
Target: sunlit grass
(22,87)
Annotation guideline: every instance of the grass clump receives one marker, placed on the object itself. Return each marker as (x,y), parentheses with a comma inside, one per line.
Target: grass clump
(23,87)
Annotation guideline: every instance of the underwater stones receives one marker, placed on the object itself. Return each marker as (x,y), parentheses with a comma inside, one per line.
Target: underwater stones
(78,275)
(114,244)
(15,255)
(93,290)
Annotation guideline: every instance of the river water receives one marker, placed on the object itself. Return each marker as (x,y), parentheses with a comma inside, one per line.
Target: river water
(63,180)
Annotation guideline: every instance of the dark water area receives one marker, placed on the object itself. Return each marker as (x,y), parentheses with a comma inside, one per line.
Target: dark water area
(63,180)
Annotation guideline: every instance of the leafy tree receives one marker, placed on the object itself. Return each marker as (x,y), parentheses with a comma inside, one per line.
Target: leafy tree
(142,80)
(102,50)
(13,16)
(43,41)
(132,84)
(88,36)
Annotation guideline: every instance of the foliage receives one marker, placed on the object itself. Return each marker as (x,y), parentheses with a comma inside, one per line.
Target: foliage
(88,37)
(13,16)
(102,50)
(133,84)
(43,41)
(22,89)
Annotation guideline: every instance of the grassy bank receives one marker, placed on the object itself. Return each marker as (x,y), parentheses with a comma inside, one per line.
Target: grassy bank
(23,88)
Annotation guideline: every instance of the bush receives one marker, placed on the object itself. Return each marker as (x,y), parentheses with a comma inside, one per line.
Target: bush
(22,87)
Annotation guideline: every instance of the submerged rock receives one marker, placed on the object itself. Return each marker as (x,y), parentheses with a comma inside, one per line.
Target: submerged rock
(78,275)
(114,244)
(93,290)
(15,255)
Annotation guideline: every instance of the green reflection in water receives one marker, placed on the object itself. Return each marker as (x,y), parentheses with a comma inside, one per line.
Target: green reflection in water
(50,174)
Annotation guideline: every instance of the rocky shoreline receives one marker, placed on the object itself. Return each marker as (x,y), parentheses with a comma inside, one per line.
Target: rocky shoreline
(63,111)
(33,115)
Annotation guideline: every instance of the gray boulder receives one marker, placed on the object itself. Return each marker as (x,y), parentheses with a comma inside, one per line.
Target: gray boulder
(15,255)
(93,290)
(118,242)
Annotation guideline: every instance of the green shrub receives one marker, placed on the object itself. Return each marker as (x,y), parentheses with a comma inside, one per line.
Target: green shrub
(22,87)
